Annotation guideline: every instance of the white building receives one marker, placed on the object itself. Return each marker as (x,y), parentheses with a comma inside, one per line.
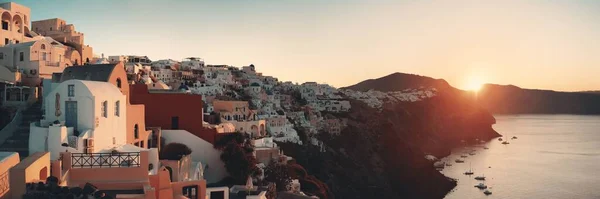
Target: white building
(133,68)
(164,63)
(164,75)
(192,63)
(88,116)
(117,58)
(206,90)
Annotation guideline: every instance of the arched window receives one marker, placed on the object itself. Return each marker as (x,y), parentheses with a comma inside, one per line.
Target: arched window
(136,132)
(87,60)
(43,46)
(119,82)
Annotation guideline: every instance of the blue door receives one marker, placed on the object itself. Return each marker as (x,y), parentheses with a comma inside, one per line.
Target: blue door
(71,114)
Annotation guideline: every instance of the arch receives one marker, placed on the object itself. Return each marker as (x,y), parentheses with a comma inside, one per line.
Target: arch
(136,131)
(170,172)
(87,60)
(262,129)
(43,173)
(6,21)
(17,23)
(119,83)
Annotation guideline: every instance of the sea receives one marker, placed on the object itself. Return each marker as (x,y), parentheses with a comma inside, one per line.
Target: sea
(553,156)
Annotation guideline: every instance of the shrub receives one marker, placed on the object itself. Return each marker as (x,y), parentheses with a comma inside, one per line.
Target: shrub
(174,151)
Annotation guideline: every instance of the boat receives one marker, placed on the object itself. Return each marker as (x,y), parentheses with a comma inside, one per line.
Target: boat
(464,156)
(472,153)
(481,186)
(459,161)
(487,192)
(448,164)
(514,137)
(485,147)
(470,171)
(505,142)
(480,178)
(499,139)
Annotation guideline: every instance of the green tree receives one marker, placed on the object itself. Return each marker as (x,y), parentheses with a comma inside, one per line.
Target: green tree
(278,174)
(237,154)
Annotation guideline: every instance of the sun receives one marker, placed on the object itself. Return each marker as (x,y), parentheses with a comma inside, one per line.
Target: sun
(474,84)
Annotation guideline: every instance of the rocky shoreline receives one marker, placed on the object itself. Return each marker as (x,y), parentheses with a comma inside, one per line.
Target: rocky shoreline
(380,154)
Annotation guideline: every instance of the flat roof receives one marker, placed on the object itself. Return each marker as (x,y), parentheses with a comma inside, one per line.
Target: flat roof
(30,160)
(6,154)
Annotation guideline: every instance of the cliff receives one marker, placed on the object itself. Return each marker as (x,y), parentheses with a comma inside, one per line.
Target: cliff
(399,82)
(380,154)
(510,99)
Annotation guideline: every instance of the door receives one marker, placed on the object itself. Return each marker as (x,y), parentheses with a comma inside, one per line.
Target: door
(175,122)
(71,114)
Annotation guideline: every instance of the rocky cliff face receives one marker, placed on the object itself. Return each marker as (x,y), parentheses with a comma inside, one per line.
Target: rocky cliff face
(380,154)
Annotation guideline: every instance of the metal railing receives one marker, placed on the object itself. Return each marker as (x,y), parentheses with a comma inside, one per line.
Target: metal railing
(105,160)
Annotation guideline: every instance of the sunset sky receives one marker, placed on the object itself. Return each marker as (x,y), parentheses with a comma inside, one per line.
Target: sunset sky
(532,44)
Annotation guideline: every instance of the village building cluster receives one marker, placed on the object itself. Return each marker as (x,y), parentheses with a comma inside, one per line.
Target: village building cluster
(101,122)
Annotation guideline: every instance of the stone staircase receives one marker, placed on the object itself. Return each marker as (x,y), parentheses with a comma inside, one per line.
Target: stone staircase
(19,141)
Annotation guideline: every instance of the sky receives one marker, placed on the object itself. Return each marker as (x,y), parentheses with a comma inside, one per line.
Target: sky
(545,44)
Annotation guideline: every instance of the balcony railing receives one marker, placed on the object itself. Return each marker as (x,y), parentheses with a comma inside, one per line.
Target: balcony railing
(105,160)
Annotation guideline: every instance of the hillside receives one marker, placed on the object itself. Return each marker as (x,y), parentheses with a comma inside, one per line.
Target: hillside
(380,154)
(399,82)
(510,99)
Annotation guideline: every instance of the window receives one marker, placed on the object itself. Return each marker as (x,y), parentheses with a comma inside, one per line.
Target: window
(136,132)
(104,109)
(6,41)
(119,82)
(43,47)
(21,56)
(190,191)
(4,25)
(71,91)
(117,106)
(44,56)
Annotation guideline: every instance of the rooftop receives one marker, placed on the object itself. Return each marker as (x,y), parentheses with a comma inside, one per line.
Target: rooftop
(97,72)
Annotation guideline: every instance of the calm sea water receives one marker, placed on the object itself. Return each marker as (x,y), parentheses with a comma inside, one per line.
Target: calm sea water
(555,156)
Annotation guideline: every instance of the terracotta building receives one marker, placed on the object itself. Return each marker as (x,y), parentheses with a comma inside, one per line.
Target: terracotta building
(65,33)
(173,110)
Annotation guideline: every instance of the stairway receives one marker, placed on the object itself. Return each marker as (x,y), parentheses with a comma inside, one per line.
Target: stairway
(19,141)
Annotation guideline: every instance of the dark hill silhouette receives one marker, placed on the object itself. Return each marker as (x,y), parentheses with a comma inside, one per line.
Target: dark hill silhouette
(398,82)
(509,99)
(497,99)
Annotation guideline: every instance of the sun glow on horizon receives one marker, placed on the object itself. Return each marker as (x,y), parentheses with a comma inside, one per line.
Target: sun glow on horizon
(474,84)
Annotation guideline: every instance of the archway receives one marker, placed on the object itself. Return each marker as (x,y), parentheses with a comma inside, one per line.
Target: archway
(262,129)
(17,23)
(6,21)
(43,173)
